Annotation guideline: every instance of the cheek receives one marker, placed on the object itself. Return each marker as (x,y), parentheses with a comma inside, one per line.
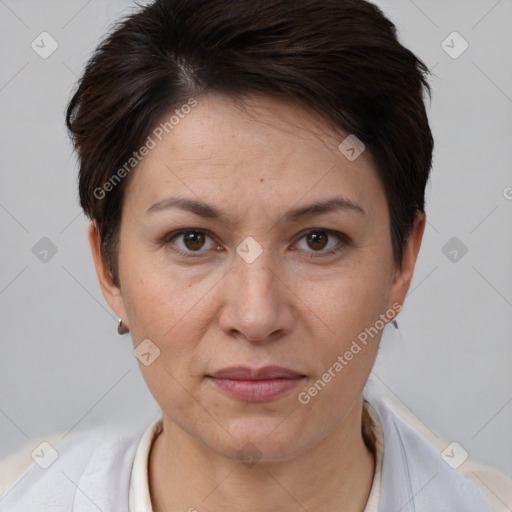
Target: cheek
(168,312)
(348,301)
(345,312)
(172,309)
(161,299)
(345,350)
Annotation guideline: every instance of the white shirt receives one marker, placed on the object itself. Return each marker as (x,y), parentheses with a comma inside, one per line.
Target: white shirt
(140,499)
(95,470)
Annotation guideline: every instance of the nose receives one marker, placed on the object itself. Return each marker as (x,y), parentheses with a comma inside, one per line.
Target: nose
(257,303)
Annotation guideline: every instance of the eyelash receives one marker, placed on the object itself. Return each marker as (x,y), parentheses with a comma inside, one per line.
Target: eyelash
(344,241)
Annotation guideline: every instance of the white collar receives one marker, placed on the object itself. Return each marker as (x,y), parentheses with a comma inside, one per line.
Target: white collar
(139,496)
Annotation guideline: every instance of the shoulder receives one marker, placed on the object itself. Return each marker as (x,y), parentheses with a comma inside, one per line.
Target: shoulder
(494,485)
(50,470)
(425,459)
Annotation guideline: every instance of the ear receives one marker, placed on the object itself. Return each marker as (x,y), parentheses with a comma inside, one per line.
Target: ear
(111,291)
(403,275)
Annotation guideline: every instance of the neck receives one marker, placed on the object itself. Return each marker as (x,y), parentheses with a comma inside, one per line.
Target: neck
(336,474)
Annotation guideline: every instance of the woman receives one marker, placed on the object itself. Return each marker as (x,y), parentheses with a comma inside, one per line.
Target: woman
(255,175)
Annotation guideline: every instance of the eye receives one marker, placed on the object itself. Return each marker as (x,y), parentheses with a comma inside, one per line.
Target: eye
(189,241)
(319,242)
(322,242)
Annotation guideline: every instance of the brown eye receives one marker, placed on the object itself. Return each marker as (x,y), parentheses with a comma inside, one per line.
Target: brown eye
(191,242)
(194,240)
(317,240)
(322,242)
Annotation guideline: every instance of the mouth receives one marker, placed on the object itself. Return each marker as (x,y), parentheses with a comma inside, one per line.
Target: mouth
(256,384)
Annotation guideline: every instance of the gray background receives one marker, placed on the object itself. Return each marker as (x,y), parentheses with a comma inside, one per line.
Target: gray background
(63,366)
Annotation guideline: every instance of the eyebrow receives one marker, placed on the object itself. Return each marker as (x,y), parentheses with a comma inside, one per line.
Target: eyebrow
(207,210)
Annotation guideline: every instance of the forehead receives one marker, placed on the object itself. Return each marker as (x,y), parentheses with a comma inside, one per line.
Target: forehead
(225,150)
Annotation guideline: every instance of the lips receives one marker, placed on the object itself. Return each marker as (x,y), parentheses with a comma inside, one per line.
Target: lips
(265,373)
(255,384)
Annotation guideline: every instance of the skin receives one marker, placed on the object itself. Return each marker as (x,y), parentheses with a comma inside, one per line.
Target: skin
(286,308)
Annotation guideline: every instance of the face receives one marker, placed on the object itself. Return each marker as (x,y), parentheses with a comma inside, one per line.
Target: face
(250,275)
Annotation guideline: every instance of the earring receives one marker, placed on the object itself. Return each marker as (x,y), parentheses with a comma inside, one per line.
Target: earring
(395,325)
(121,328)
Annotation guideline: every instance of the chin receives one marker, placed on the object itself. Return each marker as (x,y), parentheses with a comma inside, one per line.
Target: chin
(261,440)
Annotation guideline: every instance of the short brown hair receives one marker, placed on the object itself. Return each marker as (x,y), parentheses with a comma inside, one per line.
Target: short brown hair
(341,58)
